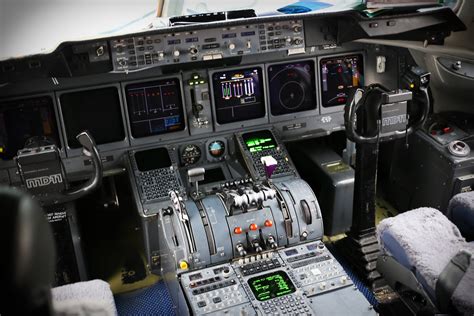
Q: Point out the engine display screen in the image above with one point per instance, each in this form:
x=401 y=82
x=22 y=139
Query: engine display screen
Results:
x=97 y=111
x=259 y=141
x=20 y=120
x=155 y=107
x=238 y=95
x=152 y=159
x=292 y=87
x=339 y=75
x=271 y=285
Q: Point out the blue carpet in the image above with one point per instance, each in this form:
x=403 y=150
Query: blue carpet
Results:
x=154 y=300
x=369 y=295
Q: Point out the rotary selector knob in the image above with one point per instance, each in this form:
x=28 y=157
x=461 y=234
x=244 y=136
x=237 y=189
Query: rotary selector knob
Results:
x=231 y=46
x=297 y=28
x=176 y=53
x=192 y=51
x=226 y=272
x=161 y=55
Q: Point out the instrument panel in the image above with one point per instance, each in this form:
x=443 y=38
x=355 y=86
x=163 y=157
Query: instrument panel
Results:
x=166 y=107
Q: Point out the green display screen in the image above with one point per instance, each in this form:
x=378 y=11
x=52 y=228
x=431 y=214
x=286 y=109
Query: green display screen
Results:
x=259 y=141
x=271 y=285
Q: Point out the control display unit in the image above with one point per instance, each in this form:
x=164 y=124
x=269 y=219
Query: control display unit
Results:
x=152 y=159
x=271 y=285
x=155 y=107
x=338 y=76
x=20 y=120
x=238 y=95
x=97 y=111
x=156 y=176
x=259 y=141
x=292 y=87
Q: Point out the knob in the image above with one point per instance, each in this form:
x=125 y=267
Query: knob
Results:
x=176 y=53
x=122 y=62
x=322 y=285
x=272 y=242
x=298 y=41
x=253 y=226
x=226 y=272
x=161 y=55
x=304 y=234
x=297 y=28
x=241 y=250
x=256 y=246
x=249 y=44
x=192 y=51
x=231 y=46
x=238 y=230
x=457 y=65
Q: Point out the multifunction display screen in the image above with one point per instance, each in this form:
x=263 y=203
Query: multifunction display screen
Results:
x=97 y=111
x=259 y=141
x=238 y=95
x=292 y=87
x=22 y=120
x=155 y=107
x=271 y=285
x=339 y=75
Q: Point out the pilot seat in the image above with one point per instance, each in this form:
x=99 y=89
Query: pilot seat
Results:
x=424 y=252
x=27 y=267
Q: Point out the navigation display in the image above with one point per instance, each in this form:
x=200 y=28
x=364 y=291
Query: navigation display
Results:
x=155 y=107
x=338 y=76
x=23 y=119
x=97 y=111
x=271 y=285
x=292 y=87
x=259 y=141
x=238 y=95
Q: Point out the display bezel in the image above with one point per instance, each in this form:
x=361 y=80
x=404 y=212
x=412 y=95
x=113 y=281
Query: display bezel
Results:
x=158 y=137
x=240 y=124
x=73 y=152
x=62 y=147
x=338 y=108
x=297 y=115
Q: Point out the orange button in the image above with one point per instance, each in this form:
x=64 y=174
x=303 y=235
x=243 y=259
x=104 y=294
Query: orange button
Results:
x=238 y=230
x=268 y=223
x=253 y=226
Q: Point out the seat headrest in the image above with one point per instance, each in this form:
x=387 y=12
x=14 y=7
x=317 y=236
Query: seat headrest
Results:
x=28 y=255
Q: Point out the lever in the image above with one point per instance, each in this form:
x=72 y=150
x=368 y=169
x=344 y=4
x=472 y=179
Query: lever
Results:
x=194 y=176
x=241 y=250
x=306 y=212
x=256 y=246
x=272 y=242
x=270 y=165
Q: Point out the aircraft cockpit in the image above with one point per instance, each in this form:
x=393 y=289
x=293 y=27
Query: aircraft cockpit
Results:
x=300 y=158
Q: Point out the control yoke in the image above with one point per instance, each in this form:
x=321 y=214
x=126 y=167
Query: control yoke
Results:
x=387 y=115
x=90 y=150
x=42 y=172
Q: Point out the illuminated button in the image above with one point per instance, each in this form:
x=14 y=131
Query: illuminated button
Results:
x=183 y=265
x=268 y=223
x=253 y=226
x=238 y=230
